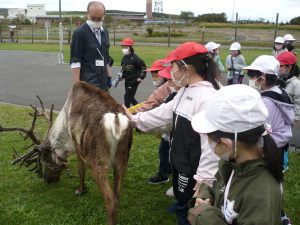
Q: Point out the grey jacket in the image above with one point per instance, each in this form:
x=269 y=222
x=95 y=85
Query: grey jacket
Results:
x=293 y=89
x=238 y=65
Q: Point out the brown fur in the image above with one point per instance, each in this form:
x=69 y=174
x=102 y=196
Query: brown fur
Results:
x=88 y=104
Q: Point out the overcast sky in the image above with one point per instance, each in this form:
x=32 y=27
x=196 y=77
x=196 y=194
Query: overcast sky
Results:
x=247 y=9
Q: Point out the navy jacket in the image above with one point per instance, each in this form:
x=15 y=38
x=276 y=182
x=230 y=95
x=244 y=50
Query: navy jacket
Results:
x=84 y=50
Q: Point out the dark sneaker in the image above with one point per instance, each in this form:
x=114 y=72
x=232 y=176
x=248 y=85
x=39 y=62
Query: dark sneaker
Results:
x=172 y=208
x=158 y=179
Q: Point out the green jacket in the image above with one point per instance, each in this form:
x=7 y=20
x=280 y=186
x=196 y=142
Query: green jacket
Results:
x=254 y=190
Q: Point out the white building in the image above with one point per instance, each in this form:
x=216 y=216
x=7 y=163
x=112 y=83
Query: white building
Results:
x=14 y=13
x=34 y=10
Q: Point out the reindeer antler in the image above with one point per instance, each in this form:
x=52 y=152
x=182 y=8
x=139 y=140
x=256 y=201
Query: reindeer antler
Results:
x=28 y=133
x=49 y=116
x=35 y=154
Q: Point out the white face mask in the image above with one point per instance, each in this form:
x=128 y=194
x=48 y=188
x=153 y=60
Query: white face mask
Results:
x=172 y=89
x=157 y=83
x=253 y=85
x=125 y=51
x=95 y=25
x=177 y=82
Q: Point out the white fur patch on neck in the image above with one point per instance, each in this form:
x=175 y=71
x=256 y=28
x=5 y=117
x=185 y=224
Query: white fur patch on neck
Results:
x=59 y=136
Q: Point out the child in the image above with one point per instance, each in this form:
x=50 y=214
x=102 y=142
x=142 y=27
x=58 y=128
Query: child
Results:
x=289 y=71
x=197 y=74
x=235 y=63
x=214 y=51
x=263 y=76
x=133 y=68
x=278 y=47
x=248 y=184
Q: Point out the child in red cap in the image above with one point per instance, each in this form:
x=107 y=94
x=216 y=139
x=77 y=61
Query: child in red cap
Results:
x=197 y=74
x=133 y=70
x=289 y=71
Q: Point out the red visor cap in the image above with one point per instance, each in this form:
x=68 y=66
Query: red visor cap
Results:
x=287 y=58
x=127 y=42
x=165 y=73
x=157 y=65
x=185 y=50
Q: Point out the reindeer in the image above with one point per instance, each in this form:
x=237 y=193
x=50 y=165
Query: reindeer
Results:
x=92 y=124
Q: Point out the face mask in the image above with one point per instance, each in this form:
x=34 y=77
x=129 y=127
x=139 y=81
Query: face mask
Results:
x=284 y=72
x=95 y=25
x=172 y=89
x=278 y=46
x=157 y=83
x=125 y=51
x=177 y=82
x=253 y=85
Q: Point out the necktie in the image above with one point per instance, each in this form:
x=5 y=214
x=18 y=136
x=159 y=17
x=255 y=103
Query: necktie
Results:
x=98 y=35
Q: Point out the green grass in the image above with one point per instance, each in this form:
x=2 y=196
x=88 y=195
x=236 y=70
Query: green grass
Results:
x=147 y=53
x=27 y=200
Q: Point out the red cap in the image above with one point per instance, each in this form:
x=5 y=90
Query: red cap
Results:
x=165 y=73
x=185 y=50
x=127 y=42
x=157 y=66
x=287 y=58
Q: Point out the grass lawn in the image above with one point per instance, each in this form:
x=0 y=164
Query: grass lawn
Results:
x=147 y=53
x=27 y=200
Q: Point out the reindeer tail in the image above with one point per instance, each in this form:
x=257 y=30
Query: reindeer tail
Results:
x=115 y=125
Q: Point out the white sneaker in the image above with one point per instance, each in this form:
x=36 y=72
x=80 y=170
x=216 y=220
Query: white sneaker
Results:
x=170 y=192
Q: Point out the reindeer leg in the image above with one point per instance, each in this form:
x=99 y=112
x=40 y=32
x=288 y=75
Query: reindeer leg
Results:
x=119 y=166
x=101 y=176
x=81 y=189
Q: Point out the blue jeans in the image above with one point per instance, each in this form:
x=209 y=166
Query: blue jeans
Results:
x=164 y=162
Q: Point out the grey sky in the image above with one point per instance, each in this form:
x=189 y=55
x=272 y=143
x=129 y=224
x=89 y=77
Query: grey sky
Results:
x=252 y=9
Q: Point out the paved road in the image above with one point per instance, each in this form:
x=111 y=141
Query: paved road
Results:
x=23 y=75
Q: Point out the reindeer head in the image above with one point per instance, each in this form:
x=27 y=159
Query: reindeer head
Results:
x=50 y=164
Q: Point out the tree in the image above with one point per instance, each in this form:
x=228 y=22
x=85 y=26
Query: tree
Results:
x=26 y=21
x=186 y=15
x=295 y=21
x=212 y=18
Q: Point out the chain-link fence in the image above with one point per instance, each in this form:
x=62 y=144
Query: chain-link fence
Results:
x=162 y=34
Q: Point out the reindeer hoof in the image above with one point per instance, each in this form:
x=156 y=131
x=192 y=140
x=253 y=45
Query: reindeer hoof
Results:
x=80 y=191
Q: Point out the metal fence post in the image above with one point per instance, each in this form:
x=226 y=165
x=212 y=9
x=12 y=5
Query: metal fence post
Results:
x=0 y=32
x=202 y=39
x=32 y=31
x=169 y=34
x=276 y=26
x=236 y=23
x=114 y=25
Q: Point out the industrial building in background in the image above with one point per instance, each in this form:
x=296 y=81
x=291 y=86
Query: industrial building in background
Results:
x=149 y=9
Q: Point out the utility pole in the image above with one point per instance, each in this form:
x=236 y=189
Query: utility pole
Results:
x=61 y=38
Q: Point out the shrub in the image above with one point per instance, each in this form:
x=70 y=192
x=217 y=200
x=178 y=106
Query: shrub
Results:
x=149 y=31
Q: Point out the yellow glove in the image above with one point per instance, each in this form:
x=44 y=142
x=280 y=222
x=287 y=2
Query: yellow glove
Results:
x=135 y=107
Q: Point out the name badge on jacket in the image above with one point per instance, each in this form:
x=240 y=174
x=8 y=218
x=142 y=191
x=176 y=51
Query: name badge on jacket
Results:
x=99 y=62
